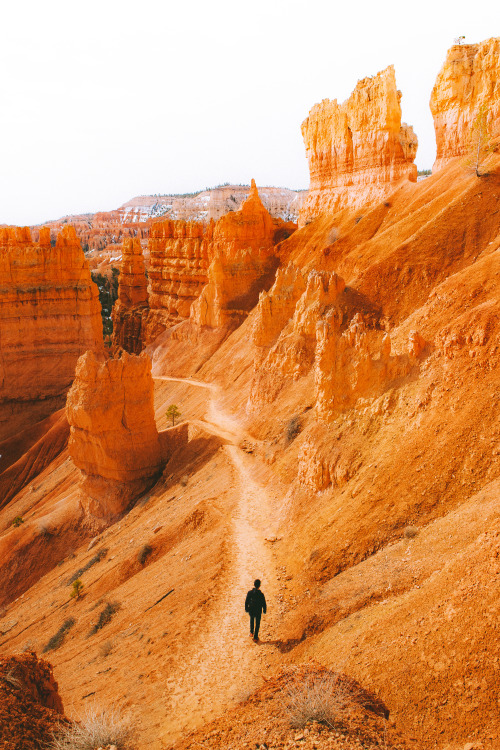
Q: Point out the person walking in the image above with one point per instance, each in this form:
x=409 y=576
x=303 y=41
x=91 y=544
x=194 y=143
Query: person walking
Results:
x=255 y=604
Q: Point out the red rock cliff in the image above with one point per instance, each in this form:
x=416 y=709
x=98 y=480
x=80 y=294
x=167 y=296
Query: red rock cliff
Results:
x=113 y=440
x=49 y=315
x=357 y=150
x=468 y=81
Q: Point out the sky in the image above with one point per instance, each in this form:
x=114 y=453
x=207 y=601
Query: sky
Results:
x=103 y=101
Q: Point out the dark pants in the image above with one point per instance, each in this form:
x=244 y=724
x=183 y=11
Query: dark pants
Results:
x=255 y=623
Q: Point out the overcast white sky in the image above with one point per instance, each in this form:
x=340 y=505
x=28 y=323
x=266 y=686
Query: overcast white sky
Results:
x=102 y=101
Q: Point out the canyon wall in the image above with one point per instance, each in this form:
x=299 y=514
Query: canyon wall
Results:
x=49 y=315
x=113 y=439
x=467 y=86
x=358 y=150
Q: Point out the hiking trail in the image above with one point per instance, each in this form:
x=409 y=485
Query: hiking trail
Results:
x=223 y=665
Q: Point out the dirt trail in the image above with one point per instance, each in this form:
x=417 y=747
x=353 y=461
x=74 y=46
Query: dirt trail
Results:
x=223 y=664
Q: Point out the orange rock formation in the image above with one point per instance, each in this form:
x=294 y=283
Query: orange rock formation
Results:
x=211 y=274
x=285 y=328
x=242 y=260
x=358 y=150
x=113 y=440
x=132 y=303
x=467 y=82
x=178 y=271
x=50 y=314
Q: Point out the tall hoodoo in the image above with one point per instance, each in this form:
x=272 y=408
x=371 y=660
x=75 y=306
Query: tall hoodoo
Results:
x=132 y=299
x=240 y=247
x=114 y=440
x=49 y=315
x=357 y=150
x=133 y=285
x=468 y=81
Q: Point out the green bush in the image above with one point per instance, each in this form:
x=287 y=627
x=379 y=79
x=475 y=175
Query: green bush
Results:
x=77 y=589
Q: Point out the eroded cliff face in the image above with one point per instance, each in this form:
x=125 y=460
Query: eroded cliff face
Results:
x=132 y=303
x=358 y=150
x=113 y=440
x=178 y=271
x=468 y=84
x=240 y=248
x=284 y=329
x=210 y=275
x=50 y=314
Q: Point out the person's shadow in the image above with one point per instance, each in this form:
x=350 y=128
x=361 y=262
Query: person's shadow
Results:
x=283 y=646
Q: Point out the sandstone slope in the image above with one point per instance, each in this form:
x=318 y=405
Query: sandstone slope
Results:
x=342 y=444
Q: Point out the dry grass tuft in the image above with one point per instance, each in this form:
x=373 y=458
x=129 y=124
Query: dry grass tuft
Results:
x=59 y=637
x=293 y=429
x=319 y=697
x=144 y=553
x=99 y=728
x=411 y=532
x=105 y=648
x=105 y=616
x=93 y=560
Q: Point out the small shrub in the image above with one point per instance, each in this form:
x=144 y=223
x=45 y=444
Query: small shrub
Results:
x=99 y=728
x=105 y=649
x=293 y=428
x=173 y=413
x=320 y=698
x=59 y=637
x=77 y=589
x=93 y=560
x=411 y=532
x=105 y=616
x=184 y=480
x=144 y=553
x=18 y=520
x=45 y=531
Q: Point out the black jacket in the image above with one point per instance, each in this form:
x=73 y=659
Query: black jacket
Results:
x=255 y=602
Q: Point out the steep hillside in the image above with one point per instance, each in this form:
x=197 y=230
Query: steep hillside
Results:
x=338 y=438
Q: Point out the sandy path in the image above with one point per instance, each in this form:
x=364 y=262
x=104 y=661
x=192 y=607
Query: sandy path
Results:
x=223 y=664
x=199 y=383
